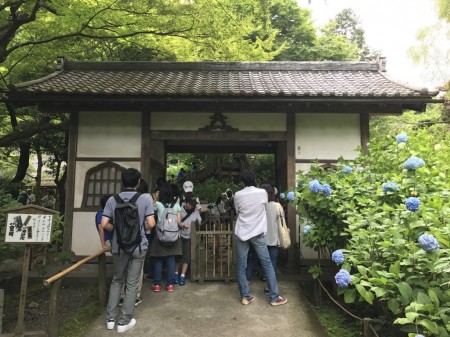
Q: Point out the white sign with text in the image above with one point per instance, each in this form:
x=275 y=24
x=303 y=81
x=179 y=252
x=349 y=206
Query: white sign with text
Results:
x=28 y=228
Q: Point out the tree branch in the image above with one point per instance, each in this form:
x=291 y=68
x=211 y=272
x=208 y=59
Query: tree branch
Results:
x=30 y=131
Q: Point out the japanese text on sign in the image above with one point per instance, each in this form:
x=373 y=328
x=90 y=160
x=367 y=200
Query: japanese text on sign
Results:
x=29 y=228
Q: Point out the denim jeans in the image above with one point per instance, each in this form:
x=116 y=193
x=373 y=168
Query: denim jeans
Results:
x=170 y=265
x=127 y=271
x=259 y=245
x=253 y=260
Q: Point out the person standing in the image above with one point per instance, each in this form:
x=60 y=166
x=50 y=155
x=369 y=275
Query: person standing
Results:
x=273 y=211
x=31 y=199
x=251 y=226
x=22 y=199
x=127 y=264
x=188 y=188
x=49 y=201
x=165 y=252
x=189 y=217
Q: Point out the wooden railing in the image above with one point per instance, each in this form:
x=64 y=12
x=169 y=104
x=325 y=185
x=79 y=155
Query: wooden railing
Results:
x=212 y=249
x=55 y=282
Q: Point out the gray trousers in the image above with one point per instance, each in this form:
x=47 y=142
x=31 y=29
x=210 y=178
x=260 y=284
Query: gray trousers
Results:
x=127 y=271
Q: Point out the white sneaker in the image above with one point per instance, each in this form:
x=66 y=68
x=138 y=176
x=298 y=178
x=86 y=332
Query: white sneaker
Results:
x=123 y=328
x=110 y=324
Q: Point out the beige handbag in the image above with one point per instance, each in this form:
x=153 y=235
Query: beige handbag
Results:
x=283 y=230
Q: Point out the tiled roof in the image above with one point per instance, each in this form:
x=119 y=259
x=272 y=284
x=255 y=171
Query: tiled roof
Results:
x=234 y=79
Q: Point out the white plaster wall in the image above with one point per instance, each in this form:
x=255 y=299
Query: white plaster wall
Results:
x=327 y=136
x=80 y=175
x=85 y=239
x=109 y=134
x=242 y=121
x=304 y=167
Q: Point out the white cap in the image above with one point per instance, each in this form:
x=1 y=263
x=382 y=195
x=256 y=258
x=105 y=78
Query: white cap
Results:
x=188 y=186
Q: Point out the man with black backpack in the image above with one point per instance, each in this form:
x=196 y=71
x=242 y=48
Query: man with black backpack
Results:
x=127 y=214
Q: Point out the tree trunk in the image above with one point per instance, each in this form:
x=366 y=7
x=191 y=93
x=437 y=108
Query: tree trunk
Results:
x=37 y=190
x=24 y=161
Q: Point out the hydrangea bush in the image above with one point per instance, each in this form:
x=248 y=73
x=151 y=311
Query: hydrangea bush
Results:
x=392 y=221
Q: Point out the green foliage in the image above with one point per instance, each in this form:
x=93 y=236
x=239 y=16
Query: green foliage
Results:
x=348 y=25
x=7 y=251
x=211 y=189
x=334 y=47
x=79 y=323
x=379 y=236
x=296 y=32
x=335 y=323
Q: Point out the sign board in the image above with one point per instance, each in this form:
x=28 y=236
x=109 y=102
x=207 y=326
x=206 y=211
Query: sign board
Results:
x=28 y=228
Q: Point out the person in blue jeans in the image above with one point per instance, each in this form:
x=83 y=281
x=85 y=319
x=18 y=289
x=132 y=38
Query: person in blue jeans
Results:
x=273 y=211
x=165 y=253
x=251 y=226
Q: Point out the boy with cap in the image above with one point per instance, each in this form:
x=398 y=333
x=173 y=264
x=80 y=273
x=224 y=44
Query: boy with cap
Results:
x=188 y=187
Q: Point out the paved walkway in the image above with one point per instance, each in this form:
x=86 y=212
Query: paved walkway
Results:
x=213 y=309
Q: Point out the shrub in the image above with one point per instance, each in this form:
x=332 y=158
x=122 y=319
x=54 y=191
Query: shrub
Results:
x=389 y=214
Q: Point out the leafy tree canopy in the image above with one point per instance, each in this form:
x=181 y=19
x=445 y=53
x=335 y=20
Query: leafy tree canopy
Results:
x=33 y=33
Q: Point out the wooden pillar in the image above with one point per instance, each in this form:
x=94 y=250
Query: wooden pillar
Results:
x=53 y=311
x=146 y=154
x=364 y=127
x=2 y=300
x=70 y=184
x=102 y=279
x=292 y=260
x=20 y=328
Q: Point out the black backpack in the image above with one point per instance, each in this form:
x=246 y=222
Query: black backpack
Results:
x=127 y=225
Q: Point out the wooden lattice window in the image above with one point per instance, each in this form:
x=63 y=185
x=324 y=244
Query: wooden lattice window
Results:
x=104 y=179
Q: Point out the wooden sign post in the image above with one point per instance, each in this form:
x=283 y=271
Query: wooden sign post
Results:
x=29 y=224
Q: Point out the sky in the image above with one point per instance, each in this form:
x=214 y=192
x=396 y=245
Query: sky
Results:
x=390 y=26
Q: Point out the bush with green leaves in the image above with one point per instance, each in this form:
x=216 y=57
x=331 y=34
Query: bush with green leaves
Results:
x=7 y=251
x=212 y=188
x=389 y=214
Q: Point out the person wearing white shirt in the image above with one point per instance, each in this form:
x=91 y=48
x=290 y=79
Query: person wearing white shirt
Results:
x=251 y=226
x=31 y=199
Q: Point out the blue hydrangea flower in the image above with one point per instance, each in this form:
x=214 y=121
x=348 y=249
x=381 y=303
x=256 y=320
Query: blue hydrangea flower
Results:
x=413 y=163
x=390 y=187
x=428 y=242
x=315 y=186
x=419 y=335
x=402 y=138
x=282 y=196
x=343 y=278
x=412 y=204
x=326 y=189
x=291 y=196
x=338 y=257
x=348 y=169
x=306 y=229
